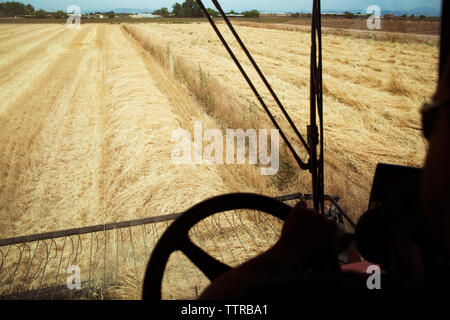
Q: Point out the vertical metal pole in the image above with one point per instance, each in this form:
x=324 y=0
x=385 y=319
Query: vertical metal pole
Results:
x=321 y=177
x=312 y=128
x=445 y=37
x=316 y=167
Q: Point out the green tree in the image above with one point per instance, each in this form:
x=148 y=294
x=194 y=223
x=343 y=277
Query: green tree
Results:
x=12 y=9
x=192 y=9
x=59 y=14
x=189 y=8
x=164 y=12
x=29 y=10
x=110 y=14
x=41 y=14
x=185 y=12
x=212 y=12
x=348 y=14
x=176 y=8
x=251 y=14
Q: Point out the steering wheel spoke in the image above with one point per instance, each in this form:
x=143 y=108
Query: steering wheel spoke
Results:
x=211 y=267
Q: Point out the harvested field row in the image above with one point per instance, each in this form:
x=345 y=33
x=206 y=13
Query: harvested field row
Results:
x=361 y=32
x=372 y=93
x=414 y=26
x=87 y=139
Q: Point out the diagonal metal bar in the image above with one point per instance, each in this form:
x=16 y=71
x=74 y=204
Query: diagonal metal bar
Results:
x=303 y=165
x=85 y=230
x=261 y=75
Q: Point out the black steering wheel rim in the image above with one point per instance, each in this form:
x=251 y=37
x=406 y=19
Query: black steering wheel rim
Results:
x=176 y=236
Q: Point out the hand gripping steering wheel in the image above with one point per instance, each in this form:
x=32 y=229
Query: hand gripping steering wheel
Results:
x=176 y=237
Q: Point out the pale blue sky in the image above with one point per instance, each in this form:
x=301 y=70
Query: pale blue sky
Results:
x=239 y=5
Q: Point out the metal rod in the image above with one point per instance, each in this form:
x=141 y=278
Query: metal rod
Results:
x=125 y=224
x=303 y=165
x=349 y=220
x=261 y=75
x=320 y=112
x=85 y=230
x=316 y=106
x=445 y=37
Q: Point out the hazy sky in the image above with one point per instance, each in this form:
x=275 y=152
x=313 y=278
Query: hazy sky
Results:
x=238 y=5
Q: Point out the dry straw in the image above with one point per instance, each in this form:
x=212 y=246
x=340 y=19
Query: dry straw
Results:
x=86 y=120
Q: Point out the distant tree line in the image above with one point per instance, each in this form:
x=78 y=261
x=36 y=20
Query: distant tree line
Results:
x=190 y=9
x=187 y=9
x=163 y=12
x=251 y=14
x=18 y=9
x=412 y=16
x=110 y=14
x=15 y=9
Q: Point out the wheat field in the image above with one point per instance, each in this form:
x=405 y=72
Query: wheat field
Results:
x=373 y=91
x=86 y=117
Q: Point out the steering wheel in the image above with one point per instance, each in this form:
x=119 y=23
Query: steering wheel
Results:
x=176 y=237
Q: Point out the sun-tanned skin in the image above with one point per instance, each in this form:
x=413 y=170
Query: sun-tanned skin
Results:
x=309 y=239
